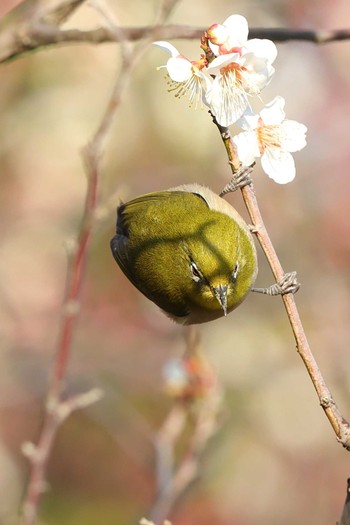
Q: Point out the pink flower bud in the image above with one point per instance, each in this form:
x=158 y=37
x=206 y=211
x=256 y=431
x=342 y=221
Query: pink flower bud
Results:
x=217 y=34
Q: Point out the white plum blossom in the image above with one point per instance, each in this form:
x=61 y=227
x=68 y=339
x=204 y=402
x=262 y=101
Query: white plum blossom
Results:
x=273 y=138
x=186 y=76
x=226 y=77
x=241 y=68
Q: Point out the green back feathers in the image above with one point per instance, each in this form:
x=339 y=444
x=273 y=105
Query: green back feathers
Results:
x=161 y=235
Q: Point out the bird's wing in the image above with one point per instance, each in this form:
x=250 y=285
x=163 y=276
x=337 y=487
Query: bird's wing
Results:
x=132 y=212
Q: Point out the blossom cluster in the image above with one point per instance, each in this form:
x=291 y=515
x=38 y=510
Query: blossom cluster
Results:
x=232 y=70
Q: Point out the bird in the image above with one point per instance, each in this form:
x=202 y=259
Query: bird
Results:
x=187 y=250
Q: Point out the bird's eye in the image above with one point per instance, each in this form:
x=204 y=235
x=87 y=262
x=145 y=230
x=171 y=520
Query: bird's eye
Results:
x=235 y=272
x=195 y=272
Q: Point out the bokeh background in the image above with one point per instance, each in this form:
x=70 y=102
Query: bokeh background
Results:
x=274 y=458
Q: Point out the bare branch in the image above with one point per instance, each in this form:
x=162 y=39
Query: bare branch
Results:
x=57 y=409
x=176 y=481
x=36 y=24
x=175 y=476
x=23 y=28
x=340 y=426
x=58 y=11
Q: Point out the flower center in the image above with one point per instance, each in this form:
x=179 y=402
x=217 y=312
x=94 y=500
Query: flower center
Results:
x=232 y=73
x=198 y=65
x=268 y=137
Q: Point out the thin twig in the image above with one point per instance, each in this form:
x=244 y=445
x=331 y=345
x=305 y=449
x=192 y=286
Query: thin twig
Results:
x=57 y=409
x=340 y=426
x=92 y=156
x=29 y=26
x=175 y=477
x=206 y=425
x=54 y=404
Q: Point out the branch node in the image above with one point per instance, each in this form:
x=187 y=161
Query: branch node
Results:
x=52 y=404
x=255 y=228
x=30 y=451
x=344 y=435
x=71 y=308
x=78 y=402
x=326 y=402
x=70 y=245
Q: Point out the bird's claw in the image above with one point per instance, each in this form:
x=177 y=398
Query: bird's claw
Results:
x=239 y=180
x=288 y=284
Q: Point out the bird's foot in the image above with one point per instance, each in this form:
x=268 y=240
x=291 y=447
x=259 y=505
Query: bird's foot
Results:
x=288 y=284
x=239 y=180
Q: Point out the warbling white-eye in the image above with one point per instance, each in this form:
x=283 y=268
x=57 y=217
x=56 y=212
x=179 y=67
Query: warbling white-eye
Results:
x=187 y=250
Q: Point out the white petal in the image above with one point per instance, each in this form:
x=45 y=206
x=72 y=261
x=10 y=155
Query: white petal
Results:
x=247 y=147
x=222 y=61
x=217 y=34
x=238 y=29
x=254 y=63
x=262 y=48
x=254 y=82
x=168 y=47
x=279 y=165
x=179 y=69
x=257 y=72
x=269 y=72
x=215 y=49
x=273 y=112
x=249 y=120
x=228 y=105
x=293 y=135
x=208 y=81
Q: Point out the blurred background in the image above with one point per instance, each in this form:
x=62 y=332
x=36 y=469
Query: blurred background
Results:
x=274 y=457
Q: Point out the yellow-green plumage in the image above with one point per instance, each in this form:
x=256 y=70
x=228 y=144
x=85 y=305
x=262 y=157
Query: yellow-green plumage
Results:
x=187 y=250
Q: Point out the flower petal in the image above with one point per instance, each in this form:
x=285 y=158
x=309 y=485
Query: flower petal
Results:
x=215 y=49
x=249 y=120
x=262 y=48
x=227 y=103
x=293 y=135
x=222 y=61
x=247 y=147
x=168 y=47
x=217 y=34
x=279 y=165
x=273 y=112
x=179 y=69
x=254 y=82
x=238 y=29
x=254 y=63
x=208 y=82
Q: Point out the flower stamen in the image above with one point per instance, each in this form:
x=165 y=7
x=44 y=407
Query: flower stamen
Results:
x=269 y=137
x=191 y=88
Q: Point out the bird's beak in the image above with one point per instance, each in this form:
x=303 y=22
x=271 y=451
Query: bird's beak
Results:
x=220 y=293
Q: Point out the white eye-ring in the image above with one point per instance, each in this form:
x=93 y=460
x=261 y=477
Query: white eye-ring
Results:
x=235 y=271
x=195 y=272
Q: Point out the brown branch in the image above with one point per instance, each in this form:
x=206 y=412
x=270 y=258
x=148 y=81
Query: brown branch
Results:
x=340 y=426
x=33 y=25
x=206 y=425
x=175 y=477
x=57 y=410
x=55 y=406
